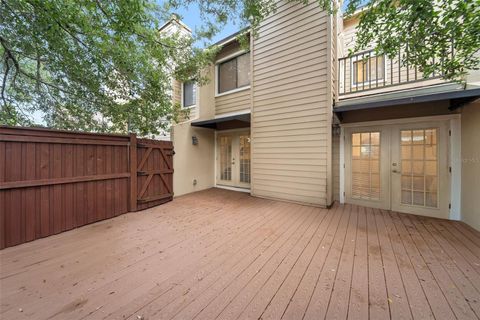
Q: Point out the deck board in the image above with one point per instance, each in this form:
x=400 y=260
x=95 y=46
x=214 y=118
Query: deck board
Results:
x=397 y=298
x=358 y=298
x=379 y=307
x=219 y=254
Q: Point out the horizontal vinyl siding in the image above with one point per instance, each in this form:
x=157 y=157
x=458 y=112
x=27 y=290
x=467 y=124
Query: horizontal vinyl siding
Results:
x=295 y=21
x=299 y=134
x=290 y=117
x=306 y=103
x=177 y=91
x=280 y=169
x=297 y=39
x=233 y=102
x=286 y=36
x=288 y=54
x=285 y=11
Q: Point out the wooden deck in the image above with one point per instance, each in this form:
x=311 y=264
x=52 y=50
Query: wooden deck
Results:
x=219 y=254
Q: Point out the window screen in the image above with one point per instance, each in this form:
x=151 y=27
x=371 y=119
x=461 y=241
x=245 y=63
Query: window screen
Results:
x=227 y=76
x=189 y=94
x=368 y=69
x=234 y=73
x=243 y=70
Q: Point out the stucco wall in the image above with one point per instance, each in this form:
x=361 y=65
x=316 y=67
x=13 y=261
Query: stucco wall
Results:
x=192 y=162
x=471 y=164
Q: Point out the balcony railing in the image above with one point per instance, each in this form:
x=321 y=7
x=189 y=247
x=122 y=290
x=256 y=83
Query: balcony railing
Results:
x=366 y=71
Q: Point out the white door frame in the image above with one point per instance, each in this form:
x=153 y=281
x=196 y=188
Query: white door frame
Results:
x=454 y=151
x=242 y=188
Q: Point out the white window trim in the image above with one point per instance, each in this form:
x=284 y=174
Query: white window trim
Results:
x=369 y=82
x=218 y=62
x=232 y=91
x=181 y=97
x=231 y=56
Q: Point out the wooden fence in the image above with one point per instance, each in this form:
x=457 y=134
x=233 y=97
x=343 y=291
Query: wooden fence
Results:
x=52 y=181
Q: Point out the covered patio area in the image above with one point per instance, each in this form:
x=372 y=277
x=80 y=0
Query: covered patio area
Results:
x=219 y=254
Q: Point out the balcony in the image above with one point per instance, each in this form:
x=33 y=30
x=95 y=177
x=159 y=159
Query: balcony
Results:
x=366 y=74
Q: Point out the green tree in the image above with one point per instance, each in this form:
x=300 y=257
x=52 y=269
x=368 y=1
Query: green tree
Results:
x=92 y=65
x=103 y=66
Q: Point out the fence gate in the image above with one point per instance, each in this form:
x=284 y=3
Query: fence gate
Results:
x=153 y=173
x=52 y=180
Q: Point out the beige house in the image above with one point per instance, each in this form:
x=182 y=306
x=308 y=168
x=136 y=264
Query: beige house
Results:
x=295 y=118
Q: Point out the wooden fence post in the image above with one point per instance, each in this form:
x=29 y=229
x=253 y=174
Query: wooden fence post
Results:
x=133 y=172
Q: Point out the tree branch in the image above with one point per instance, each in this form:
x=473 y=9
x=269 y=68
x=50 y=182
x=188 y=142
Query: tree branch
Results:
x=72 y=35
x=4 y=82
x=8 y=57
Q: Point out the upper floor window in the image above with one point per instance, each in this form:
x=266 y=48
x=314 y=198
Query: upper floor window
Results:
x=368 y=70
x=234 y=73
x=189 y=94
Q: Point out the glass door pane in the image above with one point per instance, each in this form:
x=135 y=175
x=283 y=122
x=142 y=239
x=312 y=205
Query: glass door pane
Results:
x=245 y=158
x=225 y=150
x=419 y=167
x=365 y=166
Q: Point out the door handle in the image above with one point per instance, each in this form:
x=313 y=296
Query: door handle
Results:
x=395 y=171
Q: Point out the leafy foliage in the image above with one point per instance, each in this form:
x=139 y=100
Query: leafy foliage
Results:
x=92 y=65
x=104 y=66
x=441 y=37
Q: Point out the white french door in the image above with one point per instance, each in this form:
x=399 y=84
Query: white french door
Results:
x=402 y=167
x=366 y=166
x=233 y=159
x=420 y=169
